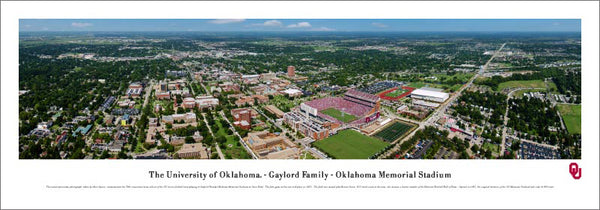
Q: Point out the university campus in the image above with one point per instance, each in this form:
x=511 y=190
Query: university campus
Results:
x=299 y=89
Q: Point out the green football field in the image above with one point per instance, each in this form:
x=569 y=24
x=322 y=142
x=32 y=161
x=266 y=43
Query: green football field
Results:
x=396 y=93
x=350 y=144
x=571 y=115
x=394 y=131
x=337 y=114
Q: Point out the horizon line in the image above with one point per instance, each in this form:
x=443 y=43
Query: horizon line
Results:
x=280 y=31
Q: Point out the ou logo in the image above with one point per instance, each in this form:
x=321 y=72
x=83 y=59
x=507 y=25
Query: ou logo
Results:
x=575 y=171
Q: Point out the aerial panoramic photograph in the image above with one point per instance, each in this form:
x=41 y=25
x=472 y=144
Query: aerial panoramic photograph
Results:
x=299 y=89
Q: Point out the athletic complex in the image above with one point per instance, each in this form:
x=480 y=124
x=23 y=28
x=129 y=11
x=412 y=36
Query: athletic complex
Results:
x=317 y=118
x=396 y=93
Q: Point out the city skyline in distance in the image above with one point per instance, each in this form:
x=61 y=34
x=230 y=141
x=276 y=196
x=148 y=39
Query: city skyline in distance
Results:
x=302 y=25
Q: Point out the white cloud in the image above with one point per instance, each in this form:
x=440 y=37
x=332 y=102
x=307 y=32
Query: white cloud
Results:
x=323 y=29
x=269 y=23
x=273 y=23
x=380 y=25
x=300 y=25
x=226 y=21
x=81 y=25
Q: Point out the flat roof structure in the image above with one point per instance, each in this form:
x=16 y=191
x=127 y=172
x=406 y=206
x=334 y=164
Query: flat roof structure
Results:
x=430 y=94
x=276 y=111
x=292 y=92
x=196 y=150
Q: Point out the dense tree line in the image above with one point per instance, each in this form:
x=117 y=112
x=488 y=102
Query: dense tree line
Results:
x=533 y=116
x=565 y=81
x=490 y=100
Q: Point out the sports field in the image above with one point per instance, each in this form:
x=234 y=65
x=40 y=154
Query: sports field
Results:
x=396 y=93
x=337 y=114
x=571 y=115
x=394 y=131
x=350 y=144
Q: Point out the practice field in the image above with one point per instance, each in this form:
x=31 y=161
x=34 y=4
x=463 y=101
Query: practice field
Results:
x=337 y=114
x=571 y=115
x=394 y=131
x=522 y=84
x=350 y=144
x=396 y=93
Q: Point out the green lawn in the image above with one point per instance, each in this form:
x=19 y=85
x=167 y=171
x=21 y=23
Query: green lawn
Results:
x=222 y=128
x=455 y=88
x=522 y=84
x=235 y=151
x=427 y=84
x=417 y=84
x=492 y=147
x=350 y=144
x=396 y=93
x=337 y=114
x=571 y=115
x=283 y=103
x=306 y=156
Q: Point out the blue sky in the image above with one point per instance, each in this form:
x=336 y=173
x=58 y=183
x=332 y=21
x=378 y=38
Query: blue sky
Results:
x=488 y=25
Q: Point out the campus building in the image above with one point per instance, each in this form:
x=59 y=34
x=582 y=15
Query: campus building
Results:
x=242 y=118
x=206 y=102
x=196 y=150
x=189 y=103
x=134 y=90
x=291 y=71
x=186 y=118
x=430 y=94
x=274 y=110
x=271 y=146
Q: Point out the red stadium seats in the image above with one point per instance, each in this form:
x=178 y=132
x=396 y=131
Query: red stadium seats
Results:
x=354 y=102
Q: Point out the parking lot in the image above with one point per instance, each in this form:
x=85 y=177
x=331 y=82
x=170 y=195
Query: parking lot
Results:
x=535 y=151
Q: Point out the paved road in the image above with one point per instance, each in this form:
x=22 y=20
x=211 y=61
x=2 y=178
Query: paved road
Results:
x=206 y=90
x=503 y=144
x=147 y=95
x=206 y=123
x=213 y=135
x=219 y=151
x=533 y=142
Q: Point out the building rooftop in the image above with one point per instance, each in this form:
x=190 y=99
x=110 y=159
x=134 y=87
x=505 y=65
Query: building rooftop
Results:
x=292 y=91
x=431 y=93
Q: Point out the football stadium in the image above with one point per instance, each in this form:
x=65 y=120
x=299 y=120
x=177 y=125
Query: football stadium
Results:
x=316 y=118
x=364 y=107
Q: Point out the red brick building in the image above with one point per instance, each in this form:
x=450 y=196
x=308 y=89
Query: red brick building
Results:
x=291 y=71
